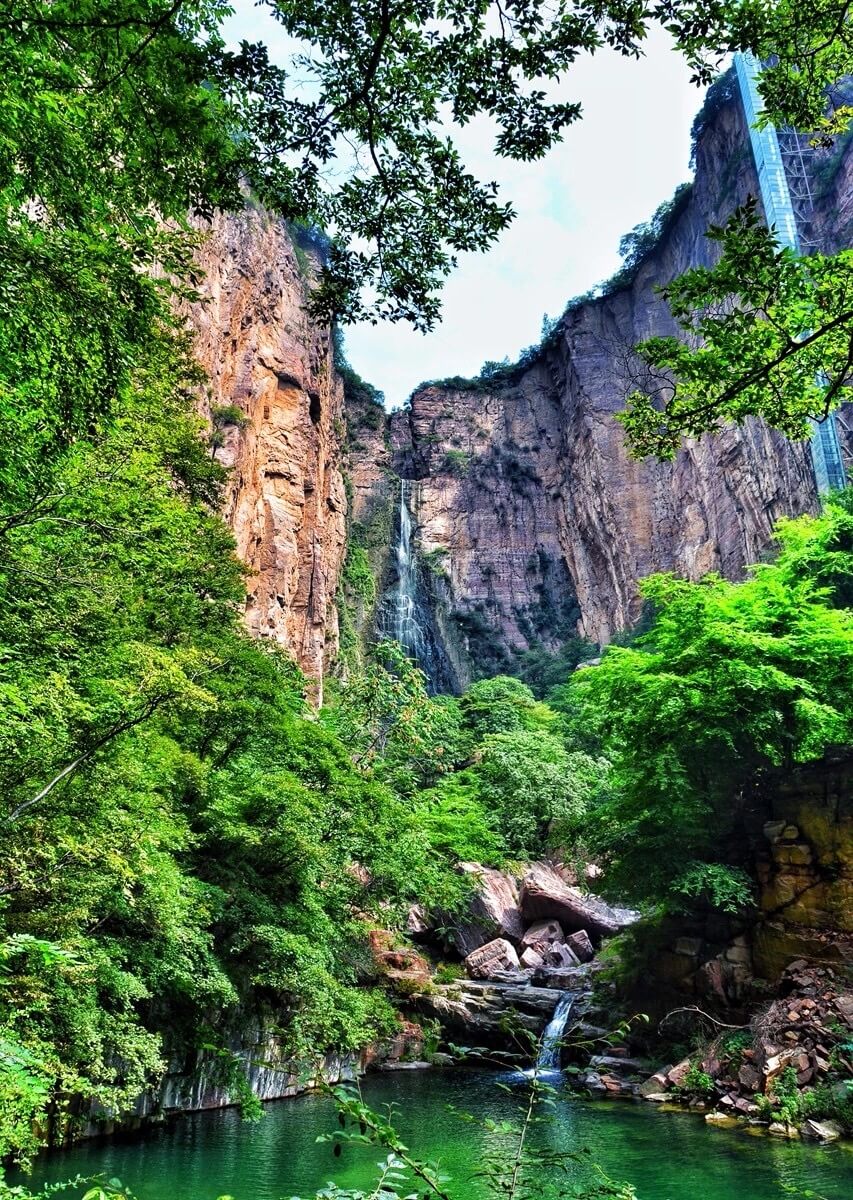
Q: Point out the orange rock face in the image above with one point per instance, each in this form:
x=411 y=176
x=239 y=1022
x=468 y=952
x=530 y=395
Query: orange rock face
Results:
x=285 y=497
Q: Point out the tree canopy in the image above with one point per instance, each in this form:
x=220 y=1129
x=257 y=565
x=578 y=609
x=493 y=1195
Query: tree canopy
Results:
x=731 y=679
x=120 y=112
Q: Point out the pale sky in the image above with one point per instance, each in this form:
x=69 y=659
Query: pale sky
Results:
x=627 y=154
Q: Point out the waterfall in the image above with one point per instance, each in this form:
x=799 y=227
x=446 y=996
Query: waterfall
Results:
x=406 y=611
x=407 y=630
x=549 y=1050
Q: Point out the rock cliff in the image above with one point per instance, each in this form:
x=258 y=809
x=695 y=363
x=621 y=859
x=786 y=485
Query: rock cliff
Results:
x=532 y=523
x=277 y=404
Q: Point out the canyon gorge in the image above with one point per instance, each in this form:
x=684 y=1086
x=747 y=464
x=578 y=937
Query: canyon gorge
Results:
x=531 y=525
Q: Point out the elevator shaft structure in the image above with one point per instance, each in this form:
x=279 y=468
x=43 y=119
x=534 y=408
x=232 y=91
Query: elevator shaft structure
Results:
x=786 y=196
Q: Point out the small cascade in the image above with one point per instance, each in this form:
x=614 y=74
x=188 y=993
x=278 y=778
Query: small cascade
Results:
x=549 y=1051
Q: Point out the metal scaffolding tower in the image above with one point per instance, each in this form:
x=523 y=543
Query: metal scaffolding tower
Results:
x=783 y=179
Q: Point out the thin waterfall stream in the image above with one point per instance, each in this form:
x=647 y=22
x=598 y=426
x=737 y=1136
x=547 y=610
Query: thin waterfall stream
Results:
x=406 y=627
x=406 y=613
x=549 y=1050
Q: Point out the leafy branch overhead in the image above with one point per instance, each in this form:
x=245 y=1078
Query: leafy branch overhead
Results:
x=354 y=134
x=765 y=333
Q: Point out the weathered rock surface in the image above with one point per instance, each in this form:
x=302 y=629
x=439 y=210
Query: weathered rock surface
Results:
x=493 y=910
x=479 y=1011
x=581 y=946
x=543 y=932
x=495 y=956
x=523 y=490
x=285 y=498
x=545 y=896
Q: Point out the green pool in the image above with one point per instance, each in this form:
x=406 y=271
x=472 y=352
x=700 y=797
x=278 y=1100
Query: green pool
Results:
x=667 y=1156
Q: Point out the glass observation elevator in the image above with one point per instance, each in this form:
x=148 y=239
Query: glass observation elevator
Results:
x=786 y=196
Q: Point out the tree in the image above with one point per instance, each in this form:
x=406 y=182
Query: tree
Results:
x=766 y=333
x=502 y=704
x=143 y=95
x=730 y=679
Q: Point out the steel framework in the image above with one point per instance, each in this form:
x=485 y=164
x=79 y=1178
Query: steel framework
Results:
x=781 y=163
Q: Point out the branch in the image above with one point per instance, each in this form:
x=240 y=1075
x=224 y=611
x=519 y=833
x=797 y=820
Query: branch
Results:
x=693 y=1008
x=121 y=727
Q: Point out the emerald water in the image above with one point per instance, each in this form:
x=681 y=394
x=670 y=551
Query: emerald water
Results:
x=667 y=1156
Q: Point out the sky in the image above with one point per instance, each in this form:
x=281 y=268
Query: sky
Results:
x=628 y=153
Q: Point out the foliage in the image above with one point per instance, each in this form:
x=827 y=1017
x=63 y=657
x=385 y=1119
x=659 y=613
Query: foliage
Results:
x=502 y=704
x=722 y=91
x=543 y=669
x=765 y=333
x=391 y=725
x=456 y=462
x=365 y=403
x=528 y=780
x=696 y=1083
x=638 y=246
x=729 y=679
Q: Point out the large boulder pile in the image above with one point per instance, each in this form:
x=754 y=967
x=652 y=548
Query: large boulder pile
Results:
x=543 y=931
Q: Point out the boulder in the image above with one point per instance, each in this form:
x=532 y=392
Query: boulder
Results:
x=493 y=910
x=558 y=954
x=824 y=1131
x=581 y=946
x=543 y=931
x=496 y=956
x=655 y=1085
x=545 y=896
x=531 y=958
x=417 y=921
x=676 y=1075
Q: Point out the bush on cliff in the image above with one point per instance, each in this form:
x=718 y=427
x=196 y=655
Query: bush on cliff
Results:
x=730 y=678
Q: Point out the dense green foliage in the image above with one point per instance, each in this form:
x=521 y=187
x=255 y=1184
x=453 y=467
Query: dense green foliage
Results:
x=183 y=842
x=765 y=333
x=730 y=679
x=178 y=836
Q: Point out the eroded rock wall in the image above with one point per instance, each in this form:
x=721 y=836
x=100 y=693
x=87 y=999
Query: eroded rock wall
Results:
x=285 y=499
x=538 y=522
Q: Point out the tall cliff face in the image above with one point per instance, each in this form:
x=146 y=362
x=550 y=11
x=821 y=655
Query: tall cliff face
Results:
x=524 y=497
x=285 y=500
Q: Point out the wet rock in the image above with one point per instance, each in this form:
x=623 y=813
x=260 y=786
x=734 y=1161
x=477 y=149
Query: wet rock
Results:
x=824 y=1131
x=612 y=1063
x=778 y=1129
x=724 y=1120
x=655 y=1084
